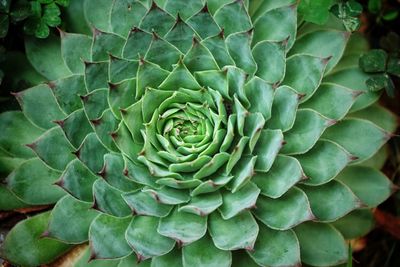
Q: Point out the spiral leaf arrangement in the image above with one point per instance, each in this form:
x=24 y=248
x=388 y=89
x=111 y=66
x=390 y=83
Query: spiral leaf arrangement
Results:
x=195 y=133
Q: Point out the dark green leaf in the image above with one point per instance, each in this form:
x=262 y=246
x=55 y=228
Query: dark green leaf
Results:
x=373 y=61
x=316 y=11
x=21 y=10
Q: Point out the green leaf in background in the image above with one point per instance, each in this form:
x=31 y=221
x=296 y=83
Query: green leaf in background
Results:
x=373 y=61
x=374 y=6
x=378 y=82
x=348 y=12
x=36 y=8
x=316 y=11
x=390 y=15
x=3 y=25
x=5 y=6
x=51 y=15
x=64 y=3
x=20 y=10
x=393 y=66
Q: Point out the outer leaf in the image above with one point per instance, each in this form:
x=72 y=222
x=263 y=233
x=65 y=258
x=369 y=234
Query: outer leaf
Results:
x=74 y=49
x=40 y=192
x=307 y=129
x=355 y=224
x=107 y=237
x=40 y=106
x=183 y=227
x=234 y=203
x=244 y=235
x=304 y=73
x=142 y=236
x=369 y=137
x=276 y=248
x=203 y=253
x=285 y=172
x=17 y=130
x=285 y=212
x=323 y=162
x=76 y=214
x=331 y=201
x=321 y=244
x=23 y=245
x=45 y=56
x=362 y=179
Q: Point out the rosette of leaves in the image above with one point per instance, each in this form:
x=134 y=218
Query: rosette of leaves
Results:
x=195 y=133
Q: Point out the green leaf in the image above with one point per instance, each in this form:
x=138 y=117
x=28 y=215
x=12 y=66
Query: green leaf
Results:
x=143 y=203
x=315 y=11
x=393 y=66
x=20 y=10
x=283 y=20
x=184 y=227
x=74 y=49
x=17 y=131
x=331 y=201
x=172 y=259
x=181 y=35
x=105 y=44
x=307 y=129
x=285 y=212
x=374 y=6
x=284 y=173
x=233 y=18
x=284 y=108
x=125 y=15
x=355 y=224
x=142 y=236
x=42 y=191
x=63 y=3
x=45 y=57
x=369 y=137
x=334 y=43
x=304 y=74
x=53 y=148
x=322 y=102
x=355 y=79
x=40 y=106
x=107 y=237
x=321 y=244
x=78 y=180
x=379 y=115
x=271 y=60
x=23 y=245
x=239 y=49
x=76 y=214
x=203 y=253
x=203 y=205
x=360 y=179
x=97 y=13
x=314 y=162
x=378 y=82
x=157 y=20
x=374 y=61
x=235 y=203
x=51 y=15
x=4 y=24
x=109 y=200
x=243 y=237
x=67 y=92
x=267 y=148
x=276 y=248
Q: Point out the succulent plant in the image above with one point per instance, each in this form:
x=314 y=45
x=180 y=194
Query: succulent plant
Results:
x=195 y=133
